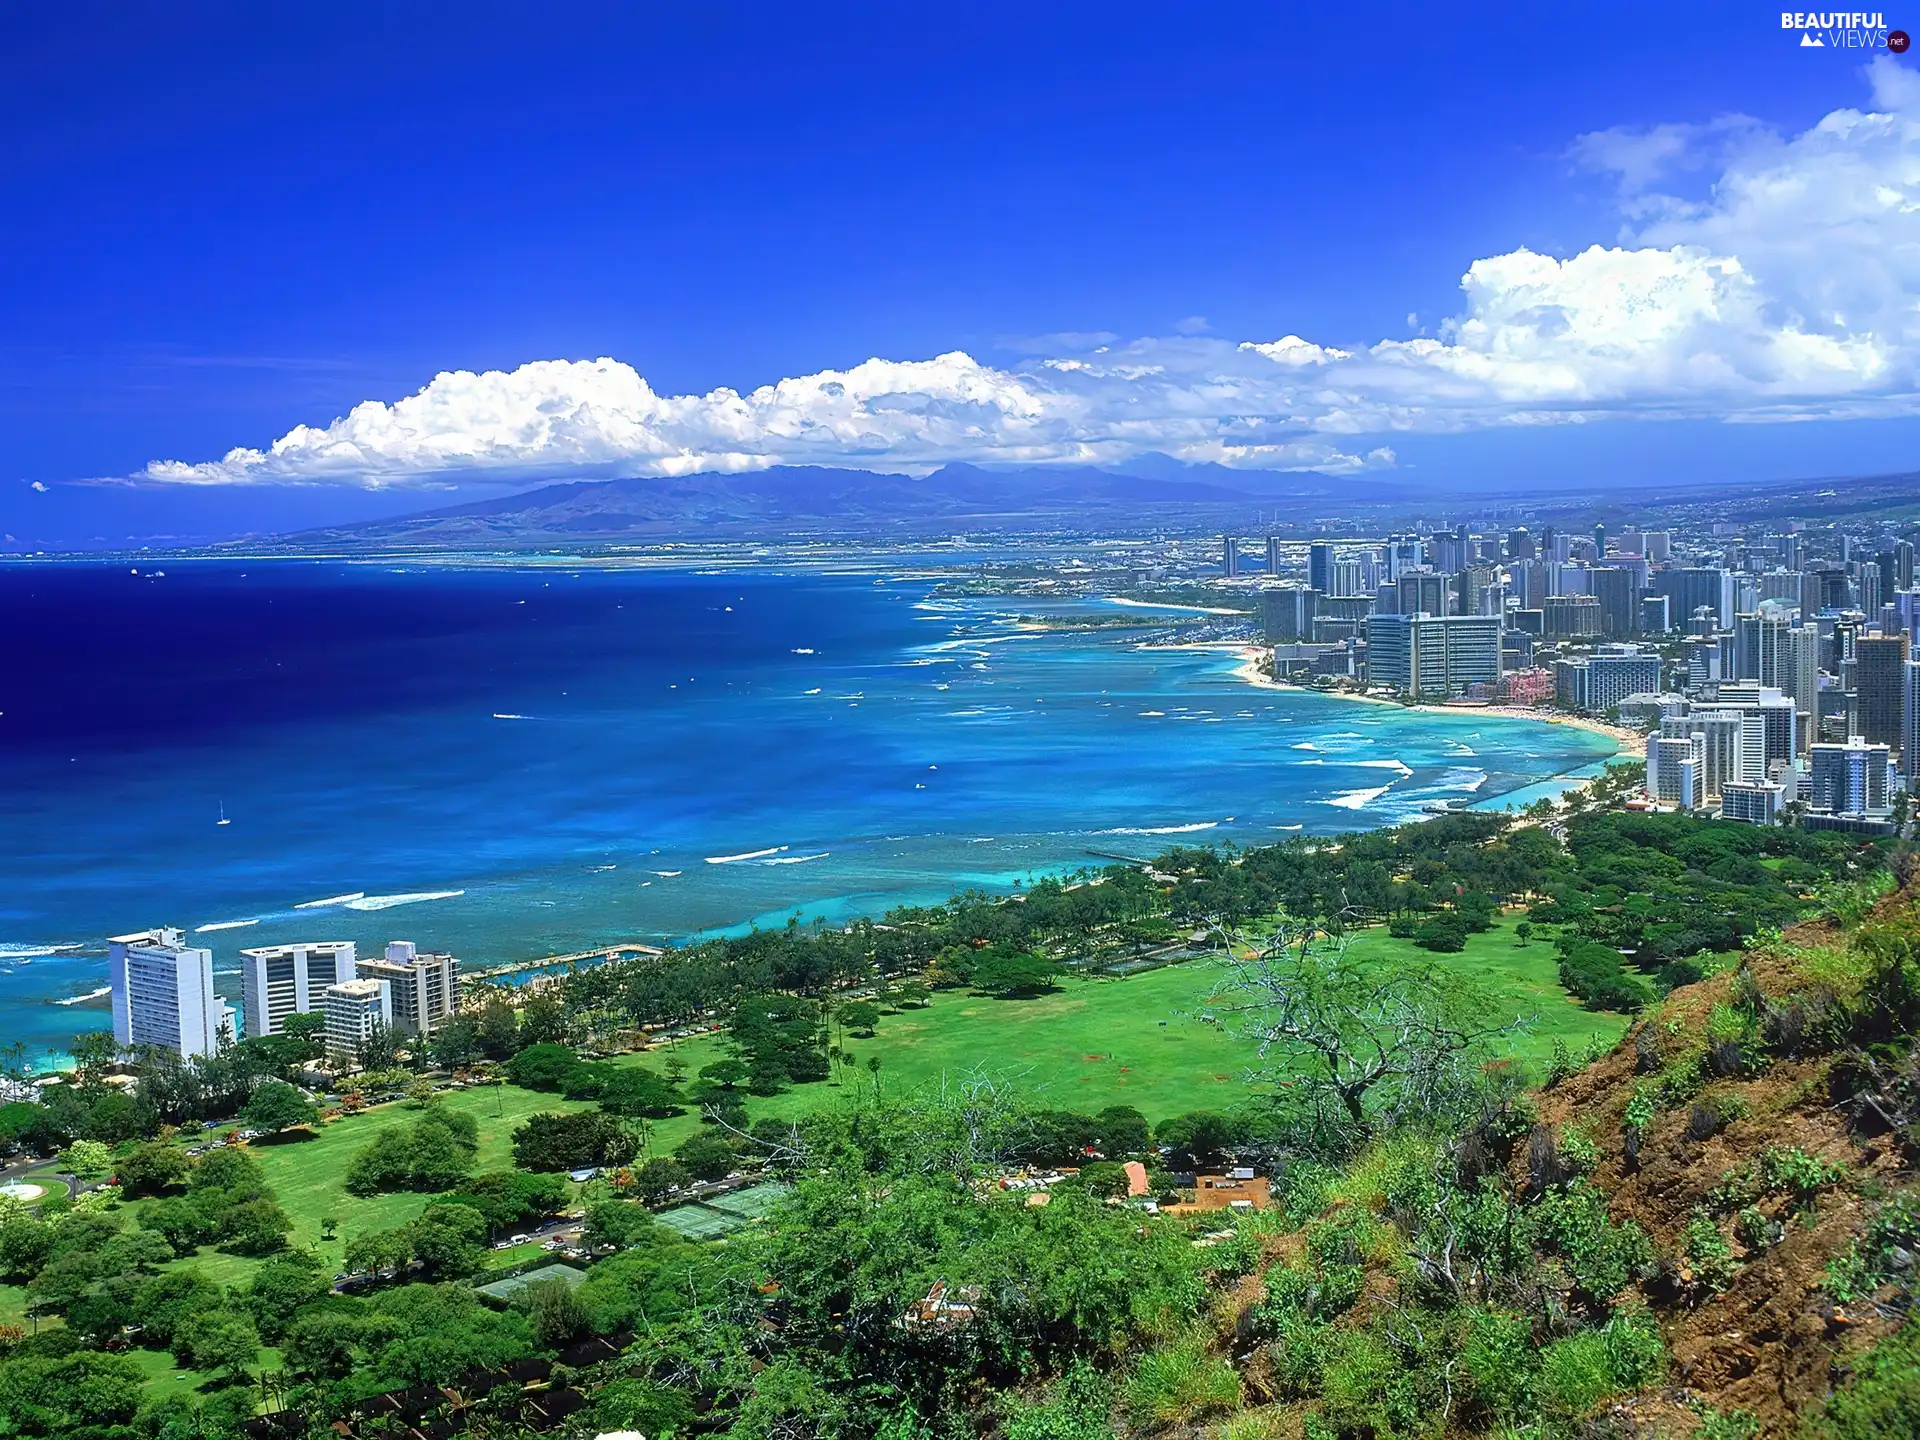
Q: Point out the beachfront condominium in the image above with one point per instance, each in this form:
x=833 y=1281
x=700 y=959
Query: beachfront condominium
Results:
x=1287 y=613
x=356 y=1011
x=281 y=980
x=1595 y=684
x=425 y=985
x=1433 y=656
x=163 y=994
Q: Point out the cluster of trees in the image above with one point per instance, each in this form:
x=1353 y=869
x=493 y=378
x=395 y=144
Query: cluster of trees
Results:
x=433 y=1152
x=85 y=1263
x=1659 y=890
x=630 y=1090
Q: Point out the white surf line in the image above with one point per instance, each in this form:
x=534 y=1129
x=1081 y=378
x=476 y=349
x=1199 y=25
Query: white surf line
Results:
x=745 y=855
x=387 y=902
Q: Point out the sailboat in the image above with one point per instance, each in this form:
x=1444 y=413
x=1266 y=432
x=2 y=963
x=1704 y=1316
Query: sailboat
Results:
x=223 y=815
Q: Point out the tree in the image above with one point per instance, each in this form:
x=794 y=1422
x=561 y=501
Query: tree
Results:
x=94 y=1054
x=554 y=1312
x=219 y=1341
x=637 y=1092
x=82 y=1393
x=705 y=1156
x=1104 y=1179
x=255 y=1227
x=1200 y=1139
x=455 y=1043
x=615 y=1224
x=1016 y=976
x=277 y=1107
x=435 y=1152
x=1523 y=932
x=543 y=1020
x=308 y=1030
x=1123 y=1131
x=168 y=1300
x=656 y=1179
x=117 y=1117
x=380 y=1048
x=725 y=1073
x=447 y=1241
x=1445 y=934
x=508 y=1199
x=87 y=1160
x=151 y=1168
x=280 y=1289
x=320 y=1345
x=545 y=1066
x=860 y=1016
x=550 y=1142
x=498 y=1030
x=1355 y=1044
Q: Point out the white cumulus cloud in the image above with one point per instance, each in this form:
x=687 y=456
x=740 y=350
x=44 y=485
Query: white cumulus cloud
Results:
x=1785 y=286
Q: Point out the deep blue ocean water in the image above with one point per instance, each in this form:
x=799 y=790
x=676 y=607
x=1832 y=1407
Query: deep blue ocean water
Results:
x=590 y=756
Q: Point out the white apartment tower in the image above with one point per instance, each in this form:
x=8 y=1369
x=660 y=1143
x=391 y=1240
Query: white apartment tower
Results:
x=163 y=993
x=425 y=985
x=281 y=980
x=355 y=1009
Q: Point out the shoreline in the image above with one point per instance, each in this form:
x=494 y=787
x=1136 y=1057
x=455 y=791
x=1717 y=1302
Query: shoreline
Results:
x=1626 y=743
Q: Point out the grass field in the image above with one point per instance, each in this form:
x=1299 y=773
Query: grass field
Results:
x=1141 y=1041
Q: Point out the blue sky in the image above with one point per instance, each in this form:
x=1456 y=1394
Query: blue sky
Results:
x=227 y=221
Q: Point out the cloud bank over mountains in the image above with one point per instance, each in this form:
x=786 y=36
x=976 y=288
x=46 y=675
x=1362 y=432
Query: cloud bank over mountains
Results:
x=1789 y=290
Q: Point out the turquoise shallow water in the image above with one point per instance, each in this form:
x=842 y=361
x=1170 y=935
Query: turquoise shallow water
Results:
x=588 y=757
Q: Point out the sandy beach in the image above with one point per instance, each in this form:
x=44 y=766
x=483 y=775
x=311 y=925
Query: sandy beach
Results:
x=1628 y=744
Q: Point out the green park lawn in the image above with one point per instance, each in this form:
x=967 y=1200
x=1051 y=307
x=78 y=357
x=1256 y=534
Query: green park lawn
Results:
x=307 y=1172
x=1141 y=1041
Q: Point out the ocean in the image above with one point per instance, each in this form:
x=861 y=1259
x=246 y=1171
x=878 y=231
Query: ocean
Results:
x=516 y=760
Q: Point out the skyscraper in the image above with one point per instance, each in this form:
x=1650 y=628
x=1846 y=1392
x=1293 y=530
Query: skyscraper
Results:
x=163 y=993
x=1273 y=554
x=1320 y=567
x=1229 y=555
x=1567 y=616
x=1619 y=599
x=1880 y=680
x=1287 y=613
x=1910 y=725
x=1422 y=594
x=1762 y=642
